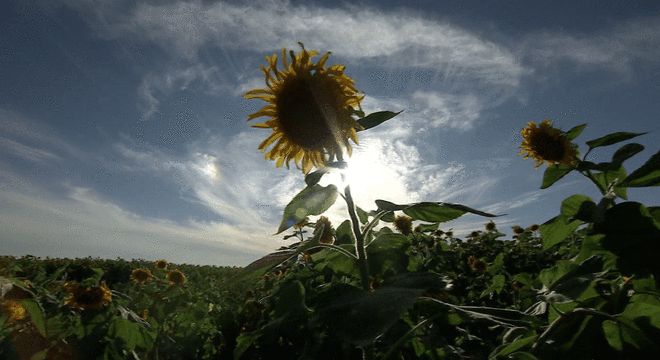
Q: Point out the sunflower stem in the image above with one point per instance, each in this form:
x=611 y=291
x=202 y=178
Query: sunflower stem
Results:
x=360 y=249
x=359 y=240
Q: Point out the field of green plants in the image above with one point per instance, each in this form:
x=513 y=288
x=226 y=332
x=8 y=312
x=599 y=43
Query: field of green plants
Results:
x=390 y=282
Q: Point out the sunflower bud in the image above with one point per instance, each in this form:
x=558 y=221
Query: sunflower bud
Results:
x=403 y=223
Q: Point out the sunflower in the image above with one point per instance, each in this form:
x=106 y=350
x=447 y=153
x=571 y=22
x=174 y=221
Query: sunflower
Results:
x=403 y=223
x=324 y=225
x=91 y=298
x=13 y=310
x=176 y=277
x=490 y=226
x=141 y=275
x=161 y=264
x=545 y=143
x=310 y=110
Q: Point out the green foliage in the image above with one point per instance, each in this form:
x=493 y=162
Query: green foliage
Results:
x=582 y=285
x=313 y=200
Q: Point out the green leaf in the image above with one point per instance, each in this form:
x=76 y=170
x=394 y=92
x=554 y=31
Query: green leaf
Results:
x=243 y=343
x=619 y=334
x=606 y=178
x=427 y=227
x=389 y=206
x=626 y=152
x=335 y=261
x=36 y=315
x=132 y=334
x=313 y=200
x=496 y=285
x=362 y=215
x=514 y=347
x=290 y=299
x=575 y=131
x=553 y=173
x=647 y=175
x=386 y=254
x=579 y=207
x=375 y=119
x=432 y=212
x=612 y=138
x=313 y=178
x=358 y=317
x=522 y=355
x=557 y=230
x=344 y=233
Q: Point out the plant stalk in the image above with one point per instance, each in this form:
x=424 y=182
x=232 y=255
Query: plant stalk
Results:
x=359 y=239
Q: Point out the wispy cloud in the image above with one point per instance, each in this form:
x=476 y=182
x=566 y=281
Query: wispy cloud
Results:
x=31 y=140
x=405 y=39
x=83 y=224
x=616 y=49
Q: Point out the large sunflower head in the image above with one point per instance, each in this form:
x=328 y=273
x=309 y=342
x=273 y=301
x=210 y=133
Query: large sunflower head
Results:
x=13 y=310
x=176 y=277
x=141 y=275
x=545 y=143
x=310 y=110
x=87 y=298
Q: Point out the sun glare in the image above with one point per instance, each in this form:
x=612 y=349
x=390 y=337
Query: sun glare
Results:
x=208 y=167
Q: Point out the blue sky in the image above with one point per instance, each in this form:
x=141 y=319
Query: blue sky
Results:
x=123 y=132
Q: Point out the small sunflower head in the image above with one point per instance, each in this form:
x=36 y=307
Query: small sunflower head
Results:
x=545 y=143
x=476 y=265
x=327 y=235
x=176 y=277
x=517 y=229
x=13 y=310
x=403 y=223
x=310 y=110
x=490 y=226
x=141 y=276
x=534 y=227
x=474 y=234
x=87 y=298
x=161 y=264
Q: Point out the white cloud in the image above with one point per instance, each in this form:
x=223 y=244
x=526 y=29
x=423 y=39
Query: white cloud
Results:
x=617 y=48
x=155 y=85
x=405 y=38
x=441 y=109
x=31 y=140
x=83 y=224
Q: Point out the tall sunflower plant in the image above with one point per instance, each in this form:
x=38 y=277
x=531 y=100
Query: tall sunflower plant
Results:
x=544 y=143
x=314 y=115
x=313 y=111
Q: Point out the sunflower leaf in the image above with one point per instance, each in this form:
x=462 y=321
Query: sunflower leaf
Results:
x=553 y=173
x=431 y=211
x=626 y=152
x=647 y=175
x=313 y=178
x=313 y=200
x=612 y=138
x=375 y=119
x=575 y=132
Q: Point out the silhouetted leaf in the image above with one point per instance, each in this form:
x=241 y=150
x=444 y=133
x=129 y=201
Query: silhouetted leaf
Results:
x=647 y=175
x=553 y=173
x=313 y=200
x=375 y=119
x=612 y=138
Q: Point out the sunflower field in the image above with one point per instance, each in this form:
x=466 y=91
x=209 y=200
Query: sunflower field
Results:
x=391 y=281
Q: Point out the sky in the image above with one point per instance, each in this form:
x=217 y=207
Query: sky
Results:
x=123 y=131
